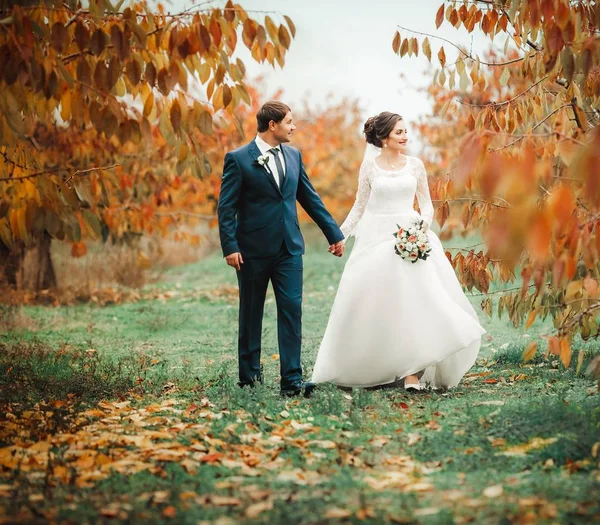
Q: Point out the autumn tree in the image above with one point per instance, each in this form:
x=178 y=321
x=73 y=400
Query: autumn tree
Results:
x=96 y=101
x=526 y=171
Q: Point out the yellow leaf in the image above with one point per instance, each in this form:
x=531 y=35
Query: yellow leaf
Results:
x=427 y=49
x=530 y=351
x=534 y=444
x=271 y=28
x=148 y=104
x=579 y=361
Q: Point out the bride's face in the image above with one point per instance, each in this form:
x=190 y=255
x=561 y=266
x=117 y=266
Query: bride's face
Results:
x=397 y=139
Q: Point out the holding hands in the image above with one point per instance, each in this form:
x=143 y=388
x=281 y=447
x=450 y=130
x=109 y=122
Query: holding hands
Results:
x=337 y=249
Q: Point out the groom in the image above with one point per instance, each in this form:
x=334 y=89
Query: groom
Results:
x=261 y=239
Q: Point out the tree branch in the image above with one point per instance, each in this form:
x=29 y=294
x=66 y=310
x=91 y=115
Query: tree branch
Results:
x=498 y=104
x=462 y=51
x=469 y=199
x=54 y=170
x=532 y=129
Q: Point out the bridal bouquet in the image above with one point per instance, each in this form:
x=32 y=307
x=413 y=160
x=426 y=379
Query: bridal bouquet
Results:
x=412 y=243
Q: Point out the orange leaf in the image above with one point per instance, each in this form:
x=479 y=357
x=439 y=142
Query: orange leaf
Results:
x=439 y=17
x=78 y=249
x=561 y=204
x=443 y=213
x=539 y=237
x=396 y=42
x=212 y=458
x=169 y=512
x=530 y=319
x=554 y=345
x=591 y=286
x=565 y=352
x=442 y=56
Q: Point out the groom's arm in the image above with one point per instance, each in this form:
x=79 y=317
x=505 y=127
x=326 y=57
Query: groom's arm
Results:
x=231 y=186
x=313 y=205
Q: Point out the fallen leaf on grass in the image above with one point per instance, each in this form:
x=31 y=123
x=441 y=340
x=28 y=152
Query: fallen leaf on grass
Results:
x=364 y=513
x=322 y=443
x=378 y=441
x=169 y=512
x=225 y=501
x=256 y=509
x=426 y=511
x=337 y=513
x=497 y=442
x=300 y=477
x=433 y=425
x=413 y=439
x=533 y=444
x=492 y=402
x=494 y=491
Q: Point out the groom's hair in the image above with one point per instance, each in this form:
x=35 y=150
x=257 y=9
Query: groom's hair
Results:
x=271 y=111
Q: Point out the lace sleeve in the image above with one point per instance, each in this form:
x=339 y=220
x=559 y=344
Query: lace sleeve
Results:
x=423 y=195
x=362 y=197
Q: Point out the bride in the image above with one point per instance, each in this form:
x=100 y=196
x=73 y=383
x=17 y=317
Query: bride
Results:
x=393 y=319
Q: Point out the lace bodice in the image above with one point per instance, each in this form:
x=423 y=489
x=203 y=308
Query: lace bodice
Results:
x=389 y=192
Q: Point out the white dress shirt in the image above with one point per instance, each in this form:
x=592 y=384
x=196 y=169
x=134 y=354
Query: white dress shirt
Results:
x=264 y=150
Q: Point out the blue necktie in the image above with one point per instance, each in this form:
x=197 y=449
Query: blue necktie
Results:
x=275 y=152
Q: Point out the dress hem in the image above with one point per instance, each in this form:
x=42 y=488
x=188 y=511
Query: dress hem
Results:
x=411 y=371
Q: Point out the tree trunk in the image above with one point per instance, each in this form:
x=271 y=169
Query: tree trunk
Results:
x=28 y=268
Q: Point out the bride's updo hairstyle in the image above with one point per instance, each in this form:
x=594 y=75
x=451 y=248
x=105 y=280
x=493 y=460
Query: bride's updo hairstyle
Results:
x=379 y=127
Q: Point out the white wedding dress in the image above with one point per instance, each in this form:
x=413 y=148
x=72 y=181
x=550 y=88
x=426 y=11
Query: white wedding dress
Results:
x=392 y=318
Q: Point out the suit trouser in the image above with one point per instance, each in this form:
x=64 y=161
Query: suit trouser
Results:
x=285 y=273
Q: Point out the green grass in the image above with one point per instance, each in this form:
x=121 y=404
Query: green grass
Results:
x=179 y=343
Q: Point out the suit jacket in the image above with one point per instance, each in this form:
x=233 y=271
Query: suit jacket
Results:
x=256 y=216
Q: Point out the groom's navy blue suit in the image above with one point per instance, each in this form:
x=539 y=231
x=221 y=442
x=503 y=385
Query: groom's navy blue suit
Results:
x=259 y=219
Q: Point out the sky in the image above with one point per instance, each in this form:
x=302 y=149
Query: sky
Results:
x=343 y=48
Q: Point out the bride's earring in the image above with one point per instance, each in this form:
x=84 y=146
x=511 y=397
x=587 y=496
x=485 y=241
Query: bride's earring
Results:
x=385 y=144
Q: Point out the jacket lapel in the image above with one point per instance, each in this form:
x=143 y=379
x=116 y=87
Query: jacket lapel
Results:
x=254 y=154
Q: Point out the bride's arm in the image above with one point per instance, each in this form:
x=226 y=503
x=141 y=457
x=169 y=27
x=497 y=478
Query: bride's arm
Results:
x=423 y=195
x=360 y=203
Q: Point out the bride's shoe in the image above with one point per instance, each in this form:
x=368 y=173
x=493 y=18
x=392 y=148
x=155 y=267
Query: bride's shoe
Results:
x=413 y=387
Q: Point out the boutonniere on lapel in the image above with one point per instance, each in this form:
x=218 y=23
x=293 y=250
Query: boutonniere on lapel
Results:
x=263 y=161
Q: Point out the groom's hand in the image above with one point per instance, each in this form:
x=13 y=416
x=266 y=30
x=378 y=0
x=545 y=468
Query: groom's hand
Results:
x=235 y=260
x=337 y=249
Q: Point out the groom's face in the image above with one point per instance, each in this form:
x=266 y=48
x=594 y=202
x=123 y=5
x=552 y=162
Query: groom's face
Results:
x=283 y=130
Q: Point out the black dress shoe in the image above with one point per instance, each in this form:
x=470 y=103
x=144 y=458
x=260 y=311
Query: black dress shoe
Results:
x=296 y=389
x=251 y=384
